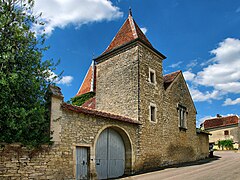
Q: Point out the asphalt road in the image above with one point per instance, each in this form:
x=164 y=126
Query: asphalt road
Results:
x=225 y=166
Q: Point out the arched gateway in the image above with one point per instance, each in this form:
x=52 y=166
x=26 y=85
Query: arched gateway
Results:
x=112 y=154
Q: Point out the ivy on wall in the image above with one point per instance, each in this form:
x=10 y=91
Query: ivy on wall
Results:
x=80 y=100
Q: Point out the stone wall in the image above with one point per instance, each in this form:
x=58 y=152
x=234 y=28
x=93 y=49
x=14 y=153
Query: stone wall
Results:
x=58 y=161
x=202 y=146
x=47 y=162
x=117 y=83
x=182 y=145
x=150 y=133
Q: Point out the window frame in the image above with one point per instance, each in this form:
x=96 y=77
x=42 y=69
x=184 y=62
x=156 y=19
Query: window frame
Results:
x=155 y=113
x=152 y=76
x=182 y=116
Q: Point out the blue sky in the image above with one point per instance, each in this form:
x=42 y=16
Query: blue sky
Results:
x=200 y=37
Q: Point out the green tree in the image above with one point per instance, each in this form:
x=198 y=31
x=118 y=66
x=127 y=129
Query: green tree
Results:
x=228 y=144
x=24 y=77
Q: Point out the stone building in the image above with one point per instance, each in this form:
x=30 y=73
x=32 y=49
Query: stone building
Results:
x=138 y=119
x=223 y=128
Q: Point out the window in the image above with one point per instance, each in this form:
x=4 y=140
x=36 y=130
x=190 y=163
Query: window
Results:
x=152 y=76
x=152 y=113
x=182 y=116
x=226 y=133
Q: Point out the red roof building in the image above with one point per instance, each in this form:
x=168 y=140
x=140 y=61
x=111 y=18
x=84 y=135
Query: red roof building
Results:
x=223 y=128
x=220 y=121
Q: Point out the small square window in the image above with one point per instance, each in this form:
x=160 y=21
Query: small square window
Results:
x=226 y=133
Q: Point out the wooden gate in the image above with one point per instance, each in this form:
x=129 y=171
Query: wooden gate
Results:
x=82 y=163
x=110 y=155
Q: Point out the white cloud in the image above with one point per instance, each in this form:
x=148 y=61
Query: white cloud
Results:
x=176 y=65
x=188 y=76
x=192 y=64
x=229 y=102
x=65 y=80
x=144 y=30
x=224 y=72
x=60 y=13
x=199 y=96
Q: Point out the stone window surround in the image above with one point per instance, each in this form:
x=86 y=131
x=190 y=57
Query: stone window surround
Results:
x=155 y=112
x=154 y=76
x=181 y=108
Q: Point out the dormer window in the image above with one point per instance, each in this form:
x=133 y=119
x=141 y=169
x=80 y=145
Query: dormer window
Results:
x=152 y=76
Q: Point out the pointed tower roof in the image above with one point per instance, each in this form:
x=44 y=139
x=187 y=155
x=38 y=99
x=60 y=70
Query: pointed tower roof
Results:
x=127 y=33
x=89 y=82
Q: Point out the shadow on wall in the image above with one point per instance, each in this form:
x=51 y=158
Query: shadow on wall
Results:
x=177 y=152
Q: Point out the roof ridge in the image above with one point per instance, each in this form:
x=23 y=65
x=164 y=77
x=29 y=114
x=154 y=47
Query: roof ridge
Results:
x=221 y=117
x=178 y=71
x=132 y=25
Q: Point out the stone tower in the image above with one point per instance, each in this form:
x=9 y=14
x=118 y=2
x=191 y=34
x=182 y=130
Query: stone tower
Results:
x=129 y=75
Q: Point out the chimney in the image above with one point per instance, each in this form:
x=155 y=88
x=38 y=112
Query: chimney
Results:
x=218 y=115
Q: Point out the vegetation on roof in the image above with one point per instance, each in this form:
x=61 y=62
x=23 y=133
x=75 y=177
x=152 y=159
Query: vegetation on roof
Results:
x=80 y=100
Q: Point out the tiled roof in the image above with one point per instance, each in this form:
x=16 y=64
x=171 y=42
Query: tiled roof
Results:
x=93 y=112
x=91 y=103
x=127 y=33
x=87 y=82
x=169 y=78
x=220 y=122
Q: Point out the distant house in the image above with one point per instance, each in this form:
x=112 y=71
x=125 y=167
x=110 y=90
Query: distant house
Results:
x=223 y=128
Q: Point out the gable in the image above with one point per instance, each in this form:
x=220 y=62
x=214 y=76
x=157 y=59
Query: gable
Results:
x=176 y=84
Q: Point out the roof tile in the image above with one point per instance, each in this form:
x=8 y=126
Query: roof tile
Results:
x=220 y=122
x=91 y=103
x=89 y=111
x=87 y=83
x=127 y=33
x=169 y=78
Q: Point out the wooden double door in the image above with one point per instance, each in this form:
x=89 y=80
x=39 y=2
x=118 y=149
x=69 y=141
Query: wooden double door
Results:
x=110 y=155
